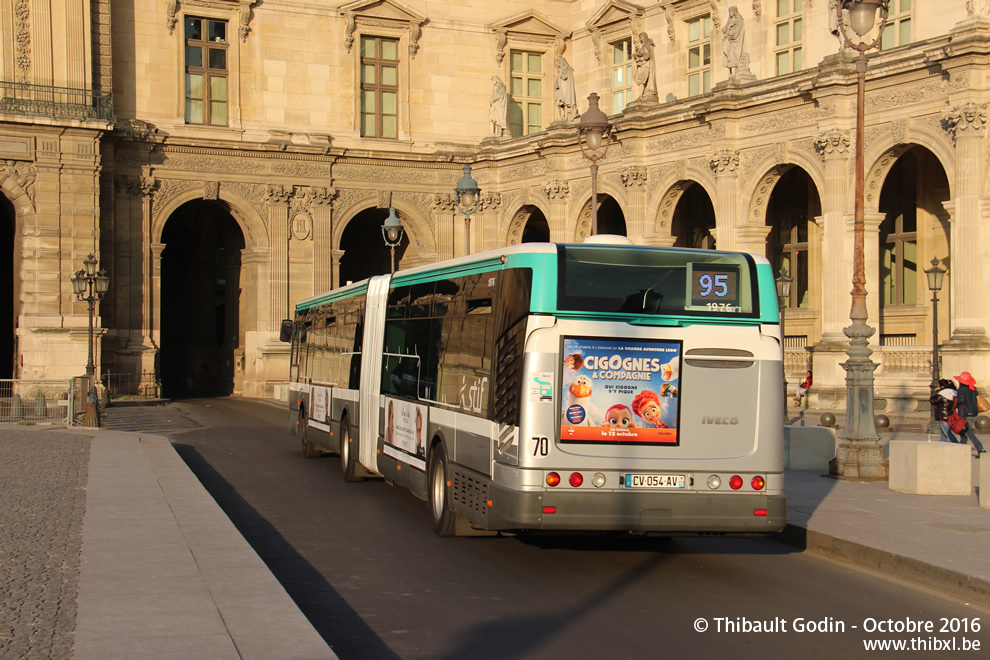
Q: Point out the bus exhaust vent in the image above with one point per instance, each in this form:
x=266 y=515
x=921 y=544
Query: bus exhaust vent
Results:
x=469 y=492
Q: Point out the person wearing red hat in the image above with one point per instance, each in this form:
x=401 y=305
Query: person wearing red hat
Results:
x=966 y=407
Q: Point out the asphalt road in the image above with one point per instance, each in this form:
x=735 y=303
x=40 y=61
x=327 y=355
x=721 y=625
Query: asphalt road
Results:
x=362 y=563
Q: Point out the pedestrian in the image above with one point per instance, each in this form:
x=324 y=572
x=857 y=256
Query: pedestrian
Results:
x=966 y=407
x=803 y=388
x=941 y=401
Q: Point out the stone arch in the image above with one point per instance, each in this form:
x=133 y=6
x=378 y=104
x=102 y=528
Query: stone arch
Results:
x=509 y=222
x=763 y=184
x=247 y=217
x=881 y=157
x=607 y=186
x=419 y=231
x=518 y=221
x=17 y=196
x=663 y=204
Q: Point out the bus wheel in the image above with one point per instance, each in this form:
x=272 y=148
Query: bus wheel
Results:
x=309 y=450
x=348 y=463
x=444 y=520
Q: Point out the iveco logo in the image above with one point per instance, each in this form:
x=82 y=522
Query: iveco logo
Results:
x=733 y=421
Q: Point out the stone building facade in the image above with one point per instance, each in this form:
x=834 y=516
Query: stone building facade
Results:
x=253 y=150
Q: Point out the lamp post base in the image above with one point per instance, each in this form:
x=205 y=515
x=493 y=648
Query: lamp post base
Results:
x=859 y=460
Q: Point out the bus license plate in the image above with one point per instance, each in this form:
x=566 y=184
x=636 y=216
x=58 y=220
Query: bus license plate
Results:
x=654 y=481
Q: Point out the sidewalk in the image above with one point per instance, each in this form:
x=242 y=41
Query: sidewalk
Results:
x=162 y=572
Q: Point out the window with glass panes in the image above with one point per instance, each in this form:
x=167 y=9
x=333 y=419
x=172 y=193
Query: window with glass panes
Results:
x=622 y=75
x=206 y=71
x=897 y=32
x=526 y=93
x=788 y=26
x=699 y=69
x=899 y=258
x=379 y=87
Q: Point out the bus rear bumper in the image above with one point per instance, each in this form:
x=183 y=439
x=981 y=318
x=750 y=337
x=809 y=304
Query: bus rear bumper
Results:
x=643 y=512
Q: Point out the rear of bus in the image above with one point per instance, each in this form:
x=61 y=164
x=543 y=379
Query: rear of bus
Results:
x=651 y=396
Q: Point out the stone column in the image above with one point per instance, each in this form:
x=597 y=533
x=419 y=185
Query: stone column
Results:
x=280 y=227
x=152 y=326
x=725 y=165
x=836 y=278
x=967 y=124
x=444 y=216
x=634 y=180
x=558 y=194
x=319 y=203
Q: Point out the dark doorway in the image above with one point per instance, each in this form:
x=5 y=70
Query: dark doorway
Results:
x=611 y=219
x=365 y=252
x=694 y=220
x=200 y=300
x=537 y=230
x=791 y=211
x=8 y=319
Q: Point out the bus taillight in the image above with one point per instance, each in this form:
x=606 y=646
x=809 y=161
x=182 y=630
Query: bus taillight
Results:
x=736 y=482
x=553 y=479
x=575 y=479
x=758 y=482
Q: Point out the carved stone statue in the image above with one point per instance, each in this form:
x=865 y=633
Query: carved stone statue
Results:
x=734 y=55
x=646 y=69
x=498 y=107
x=565 y=98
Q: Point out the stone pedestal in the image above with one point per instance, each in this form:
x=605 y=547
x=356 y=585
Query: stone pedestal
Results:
x=809 y=447
x=930 y=468
x=985 y=482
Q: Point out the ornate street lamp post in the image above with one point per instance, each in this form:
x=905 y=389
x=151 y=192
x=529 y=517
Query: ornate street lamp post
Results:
x=392 y=231
x=783 y=283
x=593 y=129
x=467 y=195
x=859 y=455
x=90 y=285
x=935 y=276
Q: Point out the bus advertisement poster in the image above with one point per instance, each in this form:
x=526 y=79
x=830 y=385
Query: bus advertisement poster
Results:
x=619 y=390
x=405 y=426
x=319 y=407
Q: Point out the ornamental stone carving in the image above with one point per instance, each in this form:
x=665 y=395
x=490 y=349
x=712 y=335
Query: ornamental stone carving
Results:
x=22 y=174
x=444 y=202
x=969 y=119
x=244 y=14
x=556 y=189
x=489 y=201
x=278 y=194
x=833 y=144
x=384 y=199
x=168 y=189
x=139 y=186
x=301 y=226
x=211 y=190
x=898 y=131
x=500 y=40
x=633 y=176
x=319 y=196
x=668 y=13
x=724 y=162
x=170 y=7
x=22 y=38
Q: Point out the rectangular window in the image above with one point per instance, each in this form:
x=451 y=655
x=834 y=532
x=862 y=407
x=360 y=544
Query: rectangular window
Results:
x=206 y=71
x=379 y=87
x=525 y=93
x=622 y=75
x=788 y=28
x=699 y=69
x=897 y=32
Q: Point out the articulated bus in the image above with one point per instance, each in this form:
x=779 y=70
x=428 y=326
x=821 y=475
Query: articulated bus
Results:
x=599 y=386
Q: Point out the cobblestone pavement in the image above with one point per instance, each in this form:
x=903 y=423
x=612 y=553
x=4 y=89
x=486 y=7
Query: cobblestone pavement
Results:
x=165 y=419
x=42 y=502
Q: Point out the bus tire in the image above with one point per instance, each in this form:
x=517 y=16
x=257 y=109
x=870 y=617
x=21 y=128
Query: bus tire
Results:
x=348 y=451
x=444 y=520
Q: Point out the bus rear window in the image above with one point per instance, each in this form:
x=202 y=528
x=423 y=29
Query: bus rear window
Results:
x=647 y=281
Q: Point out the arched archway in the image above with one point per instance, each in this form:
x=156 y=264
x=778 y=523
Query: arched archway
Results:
x=365 y=252
x=201 y=328
x=914 y=229
x=611 y=219
x=8 y=317
x=792 y=243
x=537 y=229
x=694 y=219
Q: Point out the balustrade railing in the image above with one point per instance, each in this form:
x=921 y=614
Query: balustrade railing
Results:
x=57 y=102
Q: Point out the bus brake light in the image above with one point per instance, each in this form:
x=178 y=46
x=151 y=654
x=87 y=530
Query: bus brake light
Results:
x=575 y=479
x=736 y=482
x=758 y=482
x=553 y=479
